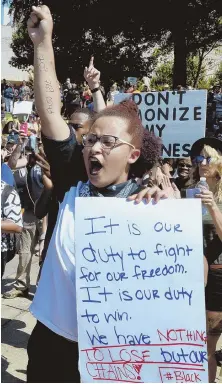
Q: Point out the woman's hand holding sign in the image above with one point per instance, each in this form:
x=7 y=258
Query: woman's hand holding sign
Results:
x=147 y=194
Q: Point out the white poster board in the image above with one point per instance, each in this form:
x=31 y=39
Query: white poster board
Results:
x=178 y=117
x=22 y=108
x=140 y=291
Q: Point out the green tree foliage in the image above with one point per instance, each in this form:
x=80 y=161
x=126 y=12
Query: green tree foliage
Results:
x=196 y=72
x=119 y=33
x=196 y=76
x=217 y=78
x=163 y=76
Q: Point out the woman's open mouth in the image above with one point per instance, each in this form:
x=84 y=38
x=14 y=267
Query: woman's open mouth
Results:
x=94 y=166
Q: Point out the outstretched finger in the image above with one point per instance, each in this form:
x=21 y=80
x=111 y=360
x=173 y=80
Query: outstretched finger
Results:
x=91 y=62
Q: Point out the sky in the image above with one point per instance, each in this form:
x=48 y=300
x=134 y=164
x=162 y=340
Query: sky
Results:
x=5 y=19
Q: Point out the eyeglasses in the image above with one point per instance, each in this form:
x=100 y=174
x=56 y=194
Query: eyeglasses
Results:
x=106 y=141
x=199 y=159
x=76 y=126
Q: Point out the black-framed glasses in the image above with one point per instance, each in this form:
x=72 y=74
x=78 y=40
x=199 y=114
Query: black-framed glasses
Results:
x=199 y=159
x=76 y=126
x=106 y=141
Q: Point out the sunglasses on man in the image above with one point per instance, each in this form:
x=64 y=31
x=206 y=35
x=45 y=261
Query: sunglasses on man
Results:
x=199 y=159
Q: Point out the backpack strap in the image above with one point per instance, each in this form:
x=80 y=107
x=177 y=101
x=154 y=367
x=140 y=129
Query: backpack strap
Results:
x=5 y=194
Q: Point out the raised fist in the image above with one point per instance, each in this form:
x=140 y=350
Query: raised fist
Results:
x=40 y=24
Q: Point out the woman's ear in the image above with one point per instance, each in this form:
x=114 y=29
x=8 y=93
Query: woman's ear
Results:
x=134 y=156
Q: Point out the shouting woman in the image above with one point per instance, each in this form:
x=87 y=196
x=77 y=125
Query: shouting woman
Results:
x=114 y=143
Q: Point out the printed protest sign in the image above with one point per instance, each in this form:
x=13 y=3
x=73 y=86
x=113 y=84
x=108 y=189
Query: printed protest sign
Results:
x=22 y=108
x=178 y=117
x=140 y=291
x=132 y=80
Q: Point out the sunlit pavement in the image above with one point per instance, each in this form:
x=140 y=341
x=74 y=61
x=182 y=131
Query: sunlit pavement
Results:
x=17 y=324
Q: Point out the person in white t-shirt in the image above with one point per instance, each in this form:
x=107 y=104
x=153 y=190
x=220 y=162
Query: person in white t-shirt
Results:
x=115 y=143
x=111 y=94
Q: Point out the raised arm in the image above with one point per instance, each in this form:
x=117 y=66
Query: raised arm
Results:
x=92 y=76
x=46 y=86
x=14 y=161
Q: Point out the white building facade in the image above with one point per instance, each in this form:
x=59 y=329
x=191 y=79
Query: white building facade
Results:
x=7 y=71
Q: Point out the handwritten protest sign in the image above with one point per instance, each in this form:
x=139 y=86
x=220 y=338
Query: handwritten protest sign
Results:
x=140 y=291
x=22 y=108
x=178 y=117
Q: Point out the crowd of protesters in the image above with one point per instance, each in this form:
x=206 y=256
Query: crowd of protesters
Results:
x=75 y=96
x=10 y=93
x=47 y=160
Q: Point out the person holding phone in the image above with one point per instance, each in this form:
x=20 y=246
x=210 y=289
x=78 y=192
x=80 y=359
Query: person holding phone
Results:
x=206 y=155
x=24 y=126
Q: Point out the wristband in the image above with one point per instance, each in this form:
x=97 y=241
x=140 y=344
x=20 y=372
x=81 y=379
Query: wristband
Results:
x=95 y=90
